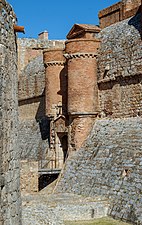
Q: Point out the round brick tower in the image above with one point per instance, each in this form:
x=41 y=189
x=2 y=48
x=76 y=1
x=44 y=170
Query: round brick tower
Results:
x=56 y=104
x=82 y=87
x=55 y=91
x=82 y=79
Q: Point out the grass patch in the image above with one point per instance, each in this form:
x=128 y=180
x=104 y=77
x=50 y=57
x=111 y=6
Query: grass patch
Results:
x=102 y=221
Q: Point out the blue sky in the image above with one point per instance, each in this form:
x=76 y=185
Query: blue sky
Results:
x=56 y=16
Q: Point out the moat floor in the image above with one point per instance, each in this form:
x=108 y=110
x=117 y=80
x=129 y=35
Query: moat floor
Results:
x=102 y=221
x=66 y=209
x=54 y=209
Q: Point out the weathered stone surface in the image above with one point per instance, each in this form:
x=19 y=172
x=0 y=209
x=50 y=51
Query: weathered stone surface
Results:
x=29 y=176
x=33 y=139
x=9 y=158
x=120 y=70
x=56 y=208
x=109 y=165
x=120 y=52
x=32 y=79
x=34 y=125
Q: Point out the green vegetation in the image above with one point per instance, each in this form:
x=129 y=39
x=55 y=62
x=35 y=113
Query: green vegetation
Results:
x=102 y=221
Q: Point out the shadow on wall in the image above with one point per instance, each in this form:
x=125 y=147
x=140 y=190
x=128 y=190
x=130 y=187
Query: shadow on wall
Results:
x=63 y=89
x=44 y=125
x=46 y=179
x=42 y=119
x=136 y=21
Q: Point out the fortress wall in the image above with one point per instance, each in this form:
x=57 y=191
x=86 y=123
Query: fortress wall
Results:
x=120 y=69
x=33 y=128
x=10 y=202
x=32 y=80
x=110 y=15
x=109 y=165
x=118 y=12
x=33 y=125
x=30 y=48
x=110 y=162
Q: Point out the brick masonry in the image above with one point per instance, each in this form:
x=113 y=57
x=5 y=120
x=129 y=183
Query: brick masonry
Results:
x=110 y=161
x=55 y=80
x=118 y=12
x=33 y=123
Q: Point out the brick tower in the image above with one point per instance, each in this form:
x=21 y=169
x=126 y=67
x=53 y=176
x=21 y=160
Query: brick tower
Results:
x=81 y=51
x=56 y=102
x=55 y=72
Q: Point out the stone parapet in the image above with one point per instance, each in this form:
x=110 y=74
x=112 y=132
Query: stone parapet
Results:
x=118 y=12
x=57 y=208
x=110 y=15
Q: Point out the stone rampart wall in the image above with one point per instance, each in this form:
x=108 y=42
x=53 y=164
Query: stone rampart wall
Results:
x=109 y=165
x=120 y=69
x=30 y=66
x=29 y=49
x=110 y=162
x=33 y=127
x=33 y=124
x=10 y=202
x=33 y=139
x=32 y=80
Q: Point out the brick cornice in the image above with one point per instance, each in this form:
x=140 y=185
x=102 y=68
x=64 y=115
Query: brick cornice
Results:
x=80 y=55
x=54 y=63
